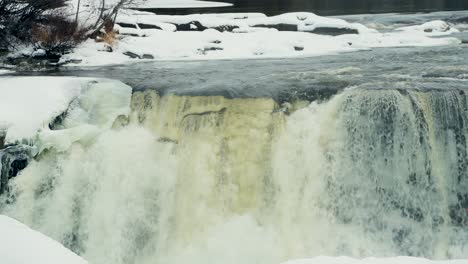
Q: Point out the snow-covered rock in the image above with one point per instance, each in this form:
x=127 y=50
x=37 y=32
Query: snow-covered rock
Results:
x=432 y=28
x=21 y=245
x=28 y=106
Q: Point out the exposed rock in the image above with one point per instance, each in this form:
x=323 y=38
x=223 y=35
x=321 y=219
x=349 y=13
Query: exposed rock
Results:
x=191 y=26
x=132 y=35
x=148 y=26
x=132 y=55
x=279 y=27
x=2 y=139
x=333 y=31
x=136 y=56
x=207 y=49
x=297 y=48
x=147 y=56
x=126 y=25
x=13 y=159
x=226 y=28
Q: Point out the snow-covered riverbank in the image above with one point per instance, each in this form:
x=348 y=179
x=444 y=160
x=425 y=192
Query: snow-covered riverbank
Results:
x=146 y=36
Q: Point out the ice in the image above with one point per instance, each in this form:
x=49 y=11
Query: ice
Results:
x=29 y=104
x=21 y=245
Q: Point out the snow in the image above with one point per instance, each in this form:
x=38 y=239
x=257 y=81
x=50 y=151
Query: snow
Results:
x=432 y=28
x=3 y=72
x=21 y=245
x=245 y=39
x=29 y=104
x=393 y=260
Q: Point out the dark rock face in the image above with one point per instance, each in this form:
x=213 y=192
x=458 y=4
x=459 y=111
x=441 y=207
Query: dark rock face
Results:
x=148 y=26
x=132 y=55
x=191 y=26
x=332 y=31
x=126 y=25
x=197 y=26
x=13 y=159
x=136 y=56
x=279 y=27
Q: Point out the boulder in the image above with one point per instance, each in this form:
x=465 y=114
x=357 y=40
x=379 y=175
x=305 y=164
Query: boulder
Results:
x=191 y=26
x=132 y=55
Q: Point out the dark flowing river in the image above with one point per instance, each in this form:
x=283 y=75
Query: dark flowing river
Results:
x=330 y=7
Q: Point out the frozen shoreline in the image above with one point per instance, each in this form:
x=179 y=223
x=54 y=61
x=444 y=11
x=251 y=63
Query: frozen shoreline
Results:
x=145 y=36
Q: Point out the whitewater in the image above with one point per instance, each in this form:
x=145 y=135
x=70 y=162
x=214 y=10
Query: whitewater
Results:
x=141 y=178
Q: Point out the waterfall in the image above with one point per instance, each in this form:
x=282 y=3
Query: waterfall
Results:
x=210 y=179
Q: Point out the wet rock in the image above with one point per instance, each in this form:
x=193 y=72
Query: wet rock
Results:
x=132 y=55
x=279 y=27
x=13 y=160
x=147 y=56
x=148 y=26
x=35 y=59
x=126 y=25
x=332 y=31
x=137 y=56
x=2 y=139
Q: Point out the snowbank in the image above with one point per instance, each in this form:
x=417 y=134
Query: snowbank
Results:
x=146 y=36
x=395 y=260
x=3 y=72
x=432 y=28
x=22 y=245
x=29 y=104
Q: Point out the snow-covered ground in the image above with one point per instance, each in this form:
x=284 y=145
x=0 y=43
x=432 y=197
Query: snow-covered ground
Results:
x=394 y=260
x=148 y=36
x=3 y=72
x=21 y=245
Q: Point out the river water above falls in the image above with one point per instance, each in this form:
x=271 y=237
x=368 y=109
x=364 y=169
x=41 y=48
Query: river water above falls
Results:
x=260 y=161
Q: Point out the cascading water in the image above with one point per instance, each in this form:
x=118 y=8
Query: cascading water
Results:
x=213 y=180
